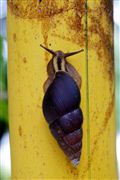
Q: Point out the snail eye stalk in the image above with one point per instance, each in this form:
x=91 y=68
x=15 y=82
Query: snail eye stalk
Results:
x=64 y=54
x=49 y=50
x=73 y=53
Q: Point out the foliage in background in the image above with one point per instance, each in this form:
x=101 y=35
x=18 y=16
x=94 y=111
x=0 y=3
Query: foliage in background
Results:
x=3 y=91
x=117 y=74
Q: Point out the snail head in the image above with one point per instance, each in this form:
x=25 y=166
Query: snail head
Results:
x=59 y=57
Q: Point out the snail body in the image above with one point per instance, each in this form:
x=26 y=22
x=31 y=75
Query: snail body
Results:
x=61 y=104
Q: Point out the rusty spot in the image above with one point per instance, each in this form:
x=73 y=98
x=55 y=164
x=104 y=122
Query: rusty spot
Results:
x=14 y=37
x=32 y=9
x=37 y=153
x=41 y=175
x=108 y=8
x=109 y=111
x=43 y=163
x=45 y=29
x=18 y=90
x=61 y=36
x=20 y=113
x=25 y=146
x=20 y=131
x=49 y=9
x=24 y=60
x=75 y=23
x=39 y=106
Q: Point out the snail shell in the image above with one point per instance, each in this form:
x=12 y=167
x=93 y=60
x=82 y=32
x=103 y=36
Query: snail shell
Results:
x=61 y=110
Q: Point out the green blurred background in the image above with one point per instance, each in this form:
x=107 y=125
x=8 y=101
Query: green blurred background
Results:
x=4 y=130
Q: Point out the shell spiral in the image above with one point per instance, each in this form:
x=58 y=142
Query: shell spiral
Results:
x=61 y=110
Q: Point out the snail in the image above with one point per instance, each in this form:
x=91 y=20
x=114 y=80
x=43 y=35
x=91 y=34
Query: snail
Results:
x=61 y=104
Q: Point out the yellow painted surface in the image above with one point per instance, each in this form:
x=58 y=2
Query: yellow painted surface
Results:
x=60 y=25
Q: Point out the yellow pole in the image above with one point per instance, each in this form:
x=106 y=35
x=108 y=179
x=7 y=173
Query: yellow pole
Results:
x=68 y=26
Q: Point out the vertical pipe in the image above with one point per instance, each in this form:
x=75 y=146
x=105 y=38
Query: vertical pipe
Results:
x=68 y=26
